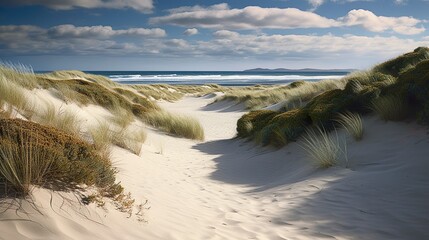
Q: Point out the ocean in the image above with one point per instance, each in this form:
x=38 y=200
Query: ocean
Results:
x=241 y=78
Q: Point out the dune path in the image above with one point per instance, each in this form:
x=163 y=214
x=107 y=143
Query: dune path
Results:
x=225 y=188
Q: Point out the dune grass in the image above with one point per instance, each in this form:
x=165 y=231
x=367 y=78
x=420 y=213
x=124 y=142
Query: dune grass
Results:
x=130 y=139
x=13 y=94
x=391 y=108
x=352 y=122
x=33 y=154
x=19 y=74
x=183 y=126
x=293 y=95
x=101 y=136
x=25 y=163
x=321 y=147
x=62 y=119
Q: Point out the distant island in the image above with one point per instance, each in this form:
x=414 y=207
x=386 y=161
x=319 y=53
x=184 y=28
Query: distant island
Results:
x=297 y=70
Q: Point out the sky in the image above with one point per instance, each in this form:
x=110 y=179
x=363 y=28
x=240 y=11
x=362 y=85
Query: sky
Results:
x=190 y=35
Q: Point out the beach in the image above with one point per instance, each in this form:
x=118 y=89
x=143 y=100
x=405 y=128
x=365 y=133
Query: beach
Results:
x=226 y=188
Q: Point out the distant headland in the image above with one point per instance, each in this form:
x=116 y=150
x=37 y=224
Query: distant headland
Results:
x=297 y=70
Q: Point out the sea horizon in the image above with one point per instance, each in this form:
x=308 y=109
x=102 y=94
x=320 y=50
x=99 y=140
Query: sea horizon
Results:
x=223 y=78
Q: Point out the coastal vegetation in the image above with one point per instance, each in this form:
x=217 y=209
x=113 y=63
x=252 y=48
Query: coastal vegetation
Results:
x=395 y=90
x=46 y=143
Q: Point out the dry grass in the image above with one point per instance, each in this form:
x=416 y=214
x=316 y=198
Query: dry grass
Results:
x=14 y=95
x=62 y=119
x=352 y=122
x=19 y=74
x=24 y=164
x=322 y=148
x=293 y=95
x=101 y=136
x=130 y=139
x=33 y=154
x=183 y=126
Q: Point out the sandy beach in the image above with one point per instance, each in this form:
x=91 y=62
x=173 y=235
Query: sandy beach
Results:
x=226 y=188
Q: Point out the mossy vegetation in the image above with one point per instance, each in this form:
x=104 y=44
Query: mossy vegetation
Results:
x=395 y=90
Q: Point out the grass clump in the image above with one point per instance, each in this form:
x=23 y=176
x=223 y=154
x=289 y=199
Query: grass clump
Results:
x=13 y=94
x=391 y=108
x=131 y=140
x=62 y=119
x=182 y=126
x=52 y=159
x=352 y=122
x=321 y=147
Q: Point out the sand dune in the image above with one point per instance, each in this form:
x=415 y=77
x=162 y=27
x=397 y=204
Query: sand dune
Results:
x=226 y=188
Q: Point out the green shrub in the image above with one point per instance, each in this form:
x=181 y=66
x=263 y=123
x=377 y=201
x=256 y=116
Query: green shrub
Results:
x=395 y=66
x=253 y=122
x=285 y=127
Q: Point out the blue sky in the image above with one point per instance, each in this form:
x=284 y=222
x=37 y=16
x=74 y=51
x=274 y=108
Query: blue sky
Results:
x=209 y=35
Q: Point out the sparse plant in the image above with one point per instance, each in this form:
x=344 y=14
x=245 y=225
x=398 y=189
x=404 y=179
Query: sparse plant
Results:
x=321 y=147
x=352 y=122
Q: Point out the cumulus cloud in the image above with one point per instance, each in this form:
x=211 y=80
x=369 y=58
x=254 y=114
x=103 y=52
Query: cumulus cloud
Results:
x=71 y=31
x=315 y=4
x=139 y=5
x=371 y=22
x=29 y=40
x=69 y=38
x=253 y=17
x=190 y=31
x=222 y=17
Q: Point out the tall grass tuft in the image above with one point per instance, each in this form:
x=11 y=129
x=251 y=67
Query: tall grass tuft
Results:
x=321 y=147
x=182 y=126
x=24 y=164
x=391 y=107
x=101 y=136
x=131 y=140
x=352 y=122
x=13 y=94
x=61 y=119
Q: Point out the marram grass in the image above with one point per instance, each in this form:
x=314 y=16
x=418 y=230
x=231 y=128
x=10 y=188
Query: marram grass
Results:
x=352 y=122
x=182 y=126
x=390 y=107
x=323 y=148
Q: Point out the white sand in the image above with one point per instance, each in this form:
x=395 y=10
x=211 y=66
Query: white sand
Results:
x=225 y=188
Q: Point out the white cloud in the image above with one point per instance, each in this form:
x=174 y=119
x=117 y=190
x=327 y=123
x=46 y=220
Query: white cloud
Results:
x=69 y=38
x=400 y=2
x=139 y=5
x=315 y=4
x=71 y=31
x=373 y=23
x=190 y=31
x=222 y=17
